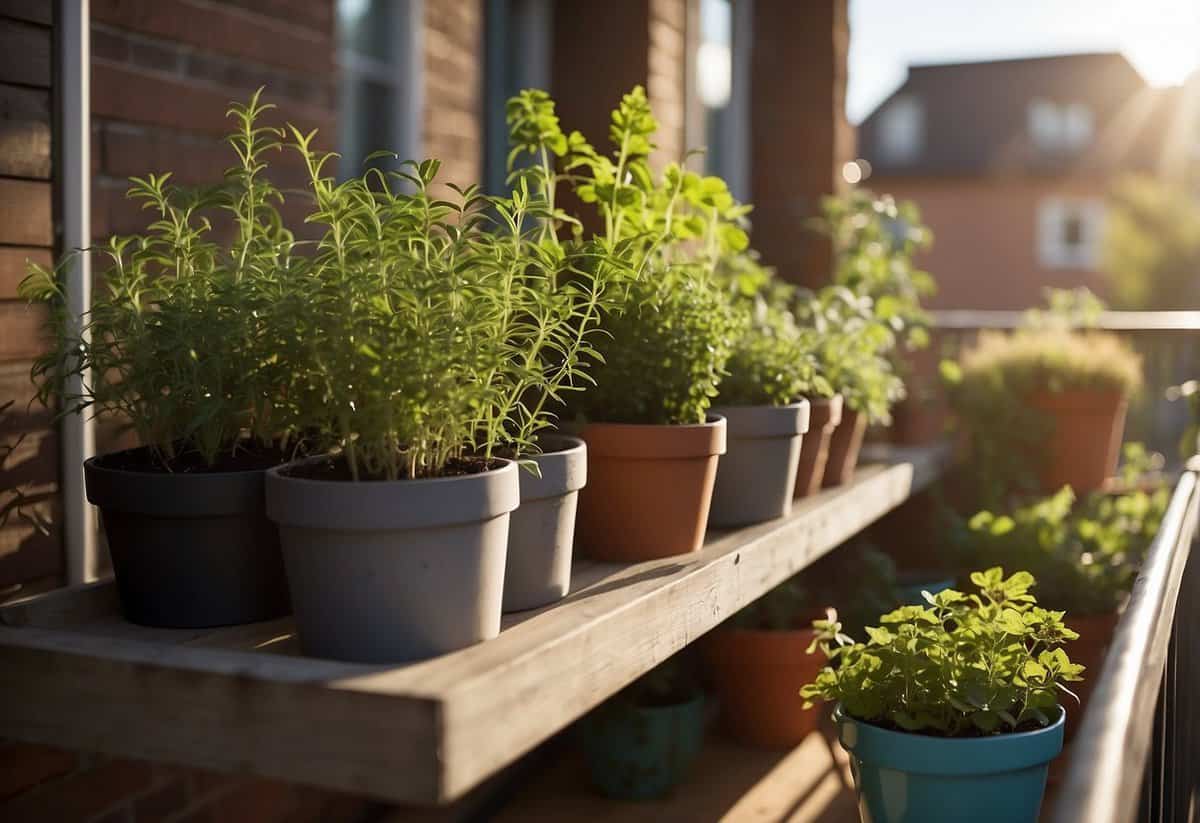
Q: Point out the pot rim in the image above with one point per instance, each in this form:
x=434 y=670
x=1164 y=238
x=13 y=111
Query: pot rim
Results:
x=170 y=495
x=563 y=470
x=427 y=502
x=765 y=422
x=828 y=408
x=927 y=754
x=657 y=441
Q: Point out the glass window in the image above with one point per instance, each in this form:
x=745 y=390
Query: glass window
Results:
x=1070 y=233
x=379 y=58
x=718 y=97
x=1057 y=127
x=518 y=56
x=902 y=130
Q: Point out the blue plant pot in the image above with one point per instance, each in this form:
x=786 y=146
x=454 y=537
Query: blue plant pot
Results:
x=642 y=752
x=914 y=778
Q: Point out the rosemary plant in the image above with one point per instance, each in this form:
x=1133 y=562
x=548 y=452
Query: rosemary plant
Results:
x=174 y=340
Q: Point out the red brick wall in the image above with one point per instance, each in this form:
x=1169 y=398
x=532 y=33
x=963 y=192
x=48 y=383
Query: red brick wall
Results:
x=984 y=254
x=39 y=784
x=27 y=558
x=453 y=99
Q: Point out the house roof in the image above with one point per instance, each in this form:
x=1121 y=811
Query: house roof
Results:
x=975 y=120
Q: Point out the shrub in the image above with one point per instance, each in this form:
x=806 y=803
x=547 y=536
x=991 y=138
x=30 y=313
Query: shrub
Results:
x=961 y=666
x=669 y=336
x=175 y=338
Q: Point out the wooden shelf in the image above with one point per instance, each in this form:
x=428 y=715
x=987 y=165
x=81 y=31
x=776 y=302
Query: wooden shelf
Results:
x=241 y=699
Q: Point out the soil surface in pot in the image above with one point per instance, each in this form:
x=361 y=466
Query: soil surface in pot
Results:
x=244 y=459
x=338 y=469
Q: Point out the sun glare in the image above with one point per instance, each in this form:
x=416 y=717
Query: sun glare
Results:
x=1163 y=39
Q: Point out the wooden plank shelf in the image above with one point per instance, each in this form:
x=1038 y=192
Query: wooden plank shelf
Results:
x=241 y=699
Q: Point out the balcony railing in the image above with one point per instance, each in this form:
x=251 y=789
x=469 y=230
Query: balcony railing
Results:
x=1137 y=754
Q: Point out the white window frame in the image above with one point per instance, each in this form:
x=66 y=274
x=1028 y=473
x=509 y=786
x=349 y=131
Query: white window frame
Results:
x=1052 y=215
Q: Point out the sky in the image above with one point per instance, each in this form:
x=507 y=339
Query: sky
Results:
x=1160 y=37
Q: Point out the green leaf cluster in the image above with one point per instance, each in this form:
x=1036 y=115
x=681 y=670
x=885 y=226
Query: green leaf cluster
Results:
x=1085 y=554
x=962 y=665
x=176 y=340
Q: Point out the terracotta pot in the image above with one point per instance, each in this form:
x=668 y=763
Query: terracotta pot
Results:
x=757 y=476
x=649 y=488
x=1085 y=442
x=1095 y=636
x=844 y=448
x=824 y=415
x=758 y=674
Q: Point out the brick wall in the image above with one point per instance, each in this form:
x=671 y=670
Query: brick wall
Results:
x=27 y=557
x=666 y=82
x=453 y=98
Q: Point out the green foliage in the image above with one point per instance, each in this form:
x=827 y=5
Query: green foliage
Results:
x=865 y=586
x=773 y=361
x=1189 y=443
x=851 y=352
x=1084 y=554
x=963 y=665
x=175 y=339
x=1152 y=245
x=875 y=240
x=670 y=335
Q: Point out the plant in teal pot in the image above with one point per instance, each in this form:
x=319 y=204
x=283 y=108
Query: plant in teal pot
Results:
x=950 y=711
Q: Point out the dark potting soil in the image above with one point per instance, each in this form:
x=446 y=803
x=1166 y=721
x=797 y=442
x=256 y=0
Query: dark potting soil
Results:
x=244 y=459
x=338 y=469
x=970 y=733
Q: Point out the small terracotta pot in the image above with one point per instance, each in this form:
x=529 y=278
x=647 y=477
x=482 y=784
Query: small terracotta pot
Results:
x=1085 y=442
x=758 y=674
x=1095 y=636
x=757 y=476
x=649 y=489
x=844 y=448
x=824 y=415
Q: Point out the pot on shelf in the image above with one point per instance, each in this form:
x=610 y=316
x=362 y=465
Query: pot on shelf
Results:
x=756 y=477
x=649 y=488
x=636 y=752
x=189 y=549
x=1084 y=442
x=824 y=416
x=542 y=529
x=844 y=448
x=397 y=570
x=1089 y=649
x=757 y=675
x=918 y=778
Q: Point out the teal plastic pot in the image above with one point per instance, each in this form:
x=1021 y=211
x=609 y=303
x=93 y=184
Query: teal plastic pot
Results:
x=915 y=778
x=642 y=752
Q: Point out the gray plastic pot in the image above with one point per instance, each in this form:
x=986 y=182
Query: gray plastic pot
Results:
x=542 y=530
x=391 y=571
x=756 y=477
x=189 y=550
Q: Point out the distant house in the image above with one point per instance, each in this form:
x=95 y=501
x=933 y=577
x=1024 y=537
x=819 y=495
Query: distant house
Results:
x=1010 y=161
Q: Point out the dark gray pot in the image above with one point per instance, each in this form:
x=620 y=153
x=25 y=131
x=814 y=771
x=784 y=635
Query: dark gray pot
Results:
x=390 y=571
x=756 y=477
x=189 y=550
x=542 y=530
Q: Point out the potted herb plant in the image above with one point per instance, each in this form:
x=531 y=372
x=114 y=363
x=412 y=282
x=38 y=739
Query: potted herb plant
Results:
x=1049 y=398
x=772 y=370
x=176 y=348
x=951 y=708
x=1085 y=555
x=652 y=447
x=641 y=743
x=853 y=343
x=395 y=538
x=757 y=663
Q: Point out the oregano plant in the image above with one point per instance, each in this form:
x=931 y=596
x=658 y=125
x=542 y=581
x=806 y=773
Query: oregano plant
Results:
x=962 y=665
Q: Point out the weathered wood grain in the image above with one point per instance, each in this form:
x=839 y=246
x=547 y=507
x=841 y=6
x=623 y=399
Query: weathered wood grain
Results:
x=240 y=699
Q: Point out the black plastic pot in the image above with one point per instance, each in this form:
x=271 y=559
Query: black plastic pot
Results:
x=189 y=550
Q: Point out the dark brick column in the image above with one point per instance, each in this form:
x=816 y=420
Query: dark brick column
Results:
x=799 y=135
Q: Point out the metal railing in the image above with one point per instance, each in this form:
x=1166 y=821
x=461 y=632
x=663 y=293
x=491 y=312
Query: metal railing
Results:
x=1137 y=754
